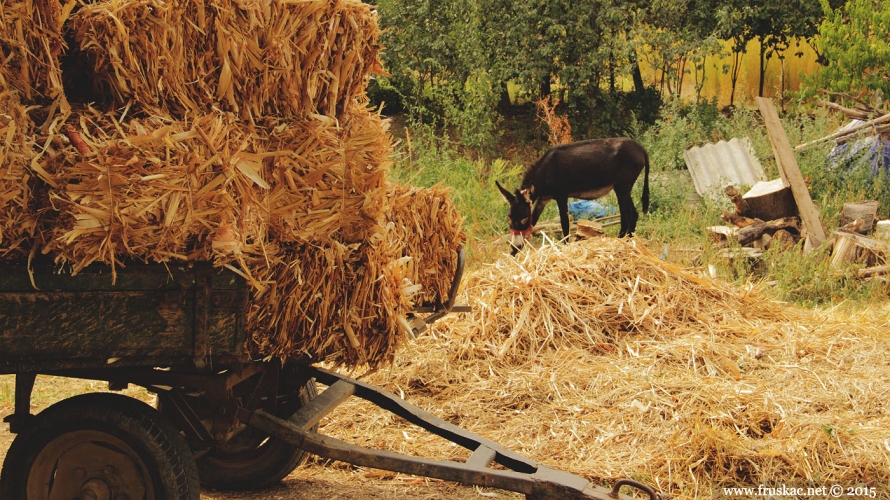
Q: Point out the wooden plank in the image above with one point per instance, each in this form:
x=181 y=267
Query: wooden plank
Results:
x=790 y=172
x=846 y=132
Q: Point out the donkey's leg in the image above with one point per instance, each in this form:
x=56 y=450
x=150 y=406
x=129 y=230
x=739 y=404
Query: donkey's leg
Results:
x=563 y=204
x=627 y=210
x=540 y=205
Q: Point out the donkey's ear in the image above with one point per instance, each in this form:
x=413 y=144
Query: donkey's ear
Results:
x=506 y=194
x=527 y=193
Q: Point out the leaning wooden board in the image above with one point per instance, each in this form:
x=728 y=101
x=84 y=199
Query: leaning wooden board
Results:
x=154 y=315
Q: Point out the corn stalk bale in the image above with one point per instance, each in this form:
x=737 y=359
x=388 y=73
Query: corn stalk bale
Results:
x=426 y=227
x=727 y=388
x=331 y=183
x=30 y=45
x=255 y=59
x=18 y=217
x=344 y=304
x=215 y=188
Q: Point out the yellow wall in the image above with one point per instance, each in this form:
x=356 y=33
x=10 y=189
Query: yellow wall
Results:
x=718 y=84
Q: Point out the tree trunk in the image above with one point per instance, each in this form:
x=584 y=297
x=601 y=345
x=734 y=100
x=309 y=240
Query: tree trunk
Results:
x=420 y=86
x=504 y=102
x=762 y=68
x=637 y=74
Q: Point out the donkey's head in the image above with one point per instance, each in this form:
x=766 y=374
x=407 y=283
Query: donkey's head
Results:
x=520 y=215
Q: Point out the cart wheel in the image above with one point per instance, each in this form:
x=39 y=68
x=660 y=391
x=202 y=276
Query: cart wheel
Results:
x=251 y=459
x=99 y=446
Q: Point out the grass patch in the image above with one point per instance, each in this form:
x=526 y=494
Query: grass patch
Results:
x=675 y=227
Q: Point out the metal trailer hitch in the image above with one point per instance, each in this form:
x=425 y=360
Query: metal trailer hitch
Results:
x=522 y=475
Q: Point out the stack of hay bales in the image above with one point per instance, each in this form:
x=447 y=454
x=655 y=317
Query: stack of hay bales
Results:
x=236 y=133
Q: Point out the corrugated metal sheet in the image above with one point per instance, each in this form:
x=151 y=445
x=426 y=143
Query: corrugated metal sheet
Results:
x=713 y=166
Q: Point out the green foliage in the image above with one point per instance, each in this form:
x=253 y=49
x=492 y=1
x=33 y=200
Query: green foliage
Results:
x=854 y=44
x=381 y=91
x=433 y=160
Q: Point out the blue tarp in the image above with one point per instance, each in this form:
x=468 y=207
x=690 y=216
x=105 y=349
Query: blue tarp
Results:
x=868 y=151
x=589 y=209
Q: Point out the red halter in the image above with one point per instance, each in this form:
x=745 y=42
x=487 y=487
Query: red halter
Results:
x=525 y=233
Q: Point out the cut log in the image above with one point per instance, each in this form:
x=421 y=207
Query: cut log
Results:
x=589 y=229
x=864 y=210
x=748 y=234
x=855 y=248
x=868 y=272
x=784 y=240
x=738 y=220
x=770 y=200
x=852 y=227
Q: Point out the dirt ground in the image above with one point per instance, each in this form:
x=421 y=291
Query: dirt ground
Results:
x=315 y=479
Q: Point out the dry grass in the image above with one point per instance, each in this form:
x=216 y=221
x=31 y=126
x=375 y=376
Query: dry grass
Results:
x=599 y=359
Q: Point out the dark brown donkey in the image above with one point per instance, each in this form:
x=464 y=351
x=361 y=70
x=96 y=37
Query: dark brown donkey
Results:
x=585 y=169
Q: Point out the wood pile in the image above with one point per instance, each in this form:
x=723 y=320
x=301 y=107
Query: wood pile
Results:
x=765 y=213
x=223 y=131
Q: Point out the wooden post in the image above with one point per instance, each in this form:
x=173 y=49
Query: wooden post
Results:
x=790 y=172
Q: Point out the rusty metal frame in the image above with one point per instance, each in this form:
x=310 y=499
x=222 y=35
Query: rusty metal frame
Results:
x=518 y=474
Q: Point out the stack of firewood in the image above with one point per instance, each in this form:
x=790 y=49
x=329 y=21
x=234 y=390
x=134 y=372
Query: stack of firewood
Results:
x=764 y=217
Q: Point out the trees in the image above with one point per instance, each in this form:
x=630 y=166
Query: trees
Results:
x=452 y=59
x=854 y=46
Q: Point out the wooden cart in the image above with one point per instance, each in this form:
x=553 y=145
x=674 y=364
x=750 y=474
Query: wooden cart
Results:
x=178 y=331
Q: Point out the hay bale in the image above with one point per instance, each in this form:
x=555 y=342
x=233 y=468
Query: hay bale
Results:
x=345 y=304
x=424 y=224
x=650 y=371
x=30 y=45
x=254 y=59
x=18 y=216
x=213 y=187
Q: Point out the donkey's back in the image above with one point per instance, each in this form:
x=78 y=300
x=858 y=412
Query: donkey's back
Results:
x=589 y=169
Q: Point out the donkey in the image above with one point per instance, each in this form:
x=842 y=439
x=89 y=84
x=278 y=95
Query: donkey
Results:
x=585 y=169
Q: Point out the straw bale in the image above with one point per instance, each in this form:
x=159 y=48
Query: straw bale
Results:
x=156 y=189
x=256 y=59
x=425 y=225
x=17 y=211
x=30 y=45
x=342 y=303
x=691 y=385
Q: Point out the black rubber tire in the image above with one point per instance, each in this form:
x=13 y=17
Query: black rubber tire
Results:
x=100 y=441
x=253 y=460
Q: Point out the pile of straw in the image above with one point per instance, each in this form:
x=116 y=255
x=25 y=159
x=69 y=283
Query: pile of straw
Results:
x=252 y=58
x=626 y=366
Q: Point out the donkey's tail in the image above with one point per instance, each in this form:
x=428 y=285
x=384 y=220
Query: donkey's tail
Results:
x=645 y=198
